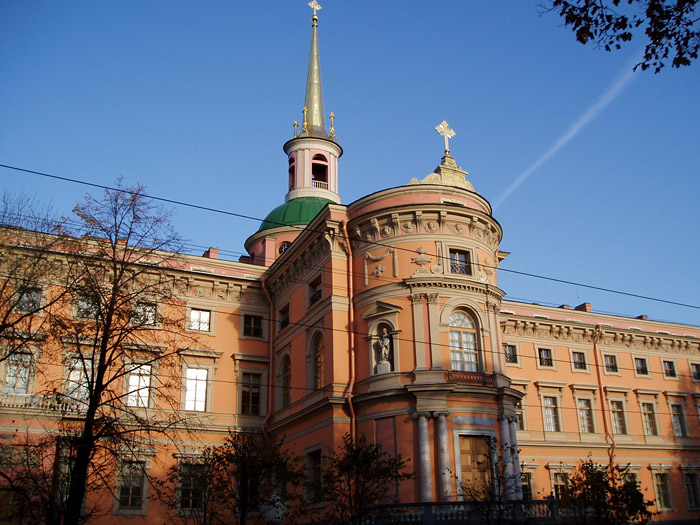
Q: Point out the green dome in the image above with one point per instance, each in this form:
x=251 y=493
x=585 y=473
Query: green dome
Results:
x=297 y=212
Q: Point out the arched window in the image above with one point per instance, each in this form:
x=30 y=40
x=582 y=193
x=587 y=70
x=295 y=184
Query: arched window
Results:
x=286 y=381
x=318 y=362
x=319 y=172
x=463 y=346
x=292 y=170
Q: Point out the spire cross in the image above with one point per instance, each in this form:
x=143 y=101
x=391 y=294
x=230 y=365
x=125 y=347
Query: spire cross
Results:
x=315 y=6
x=444 y=129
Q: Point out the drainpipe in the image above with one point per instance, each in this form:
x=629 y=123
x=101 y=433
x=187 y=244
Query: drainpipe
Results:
x=351 y=333
x=603 y=397
x=271 y=368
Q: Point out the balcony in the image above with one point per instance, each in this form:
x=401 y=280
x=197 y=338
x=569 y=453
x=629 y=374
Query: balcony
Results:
x=319 y=184
x=470 y=378
x=55 y=403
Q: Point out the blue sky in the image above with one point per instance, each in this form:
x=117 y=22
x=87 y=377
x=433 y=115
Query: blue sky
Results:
x=594 y=170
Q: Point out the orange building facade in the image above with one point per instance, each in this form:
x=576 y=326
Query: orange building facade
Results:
x=384 y=317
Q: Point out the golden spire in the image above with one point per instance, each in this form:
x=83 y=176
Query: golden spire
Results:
x=316 y=120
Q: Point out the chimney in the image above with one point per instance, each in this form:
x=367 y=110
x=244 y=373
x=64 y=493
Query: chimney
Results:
x=584 y=307
x=211 y=253
x=642 y=317
x=565 y=307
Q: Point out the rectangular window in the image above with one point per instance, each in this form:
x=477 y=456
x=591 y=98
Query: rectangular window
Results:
x=678 y=420
x=649 y=418
x=663 y=492
x=250 y=395
x=618 y=417
x=669 y=368
x=86 y=307
x=139 y=382
x=551 y=414
x=193 y=482
x=196 y=389
x=131 y=485
x=200 y=320
x=519 y=421
x=313 y=464
x=315 y=291
x=511 y=354
x=29 y=300
x=252 y=325
x=585 y=415
x=695 y=371
x=460 y=262
x=545 y=357
x=18 y=372
x=561 y=485
x=692 y=495
x=610 y=363
x=640 y=366
x=525 y=483
x=463 y=351
x=146 y=314
x=79 y=380
x=579 y=360
x=284 y=317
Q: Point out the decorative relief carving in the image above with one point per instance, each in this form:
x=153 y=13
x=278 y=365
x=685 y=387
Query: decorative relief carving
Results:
x=437 y=268
x=431 y=227
x=407 y=227
x=421 y=260
x=432 y=298
x=370 y=257
x=619 y=339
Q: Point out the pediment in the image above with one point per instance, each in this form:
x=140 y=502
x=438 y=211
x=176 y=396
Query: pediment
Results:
x=380 y=309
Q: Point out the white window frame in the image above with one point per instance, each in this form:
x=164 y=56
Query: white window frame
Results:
x=145 y=458
x=262 y=397
x=618 y=367
x=693 y=378
x=556 y=406
x=195 y=325
x=21 y=295
x=135 y=393
x=591 y=409
x=263 y=325
x=200 y=359
x=468 y=265
x=678 y=399
x=83 y=304
x=553 y=358
x=654 y=416
x=78 y=372
x=691 y=470
x=456 y=333
x=623 y=410
x=16 y=354
x=139 y=309
x=662 y=469
x=518 y=360
x=634 y=366
x=674 y=362
x=586 y=366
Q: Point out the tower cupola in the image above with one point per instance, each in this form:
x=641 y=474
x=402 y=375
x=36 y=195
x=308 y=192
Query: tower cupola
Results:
x=314 y=151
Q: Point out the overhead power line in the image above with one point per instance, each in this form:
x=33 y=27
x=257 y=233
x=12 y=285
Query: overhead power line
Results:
x=303 y=228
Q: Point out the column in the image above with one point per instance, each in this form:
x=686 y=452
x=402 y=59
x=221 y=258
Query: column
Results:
x=507 y=458
x=443 y=456
x=418 y=330
x=433 y=323
x=425 y=470
x=516 y=459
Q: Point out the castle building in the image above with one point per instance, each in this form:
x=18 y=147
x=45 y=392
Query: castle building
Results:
x=383 y=317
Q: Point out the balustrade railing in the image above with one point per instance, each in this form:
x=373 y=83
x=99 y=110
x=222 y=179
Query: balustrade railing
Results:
x=319 y=184
x=476 y=512
x=469 y=378
x=39 y=402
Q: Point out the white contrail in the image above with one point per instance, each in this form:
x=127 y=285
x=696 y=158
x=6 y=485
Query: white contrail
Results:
x=592 y=112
